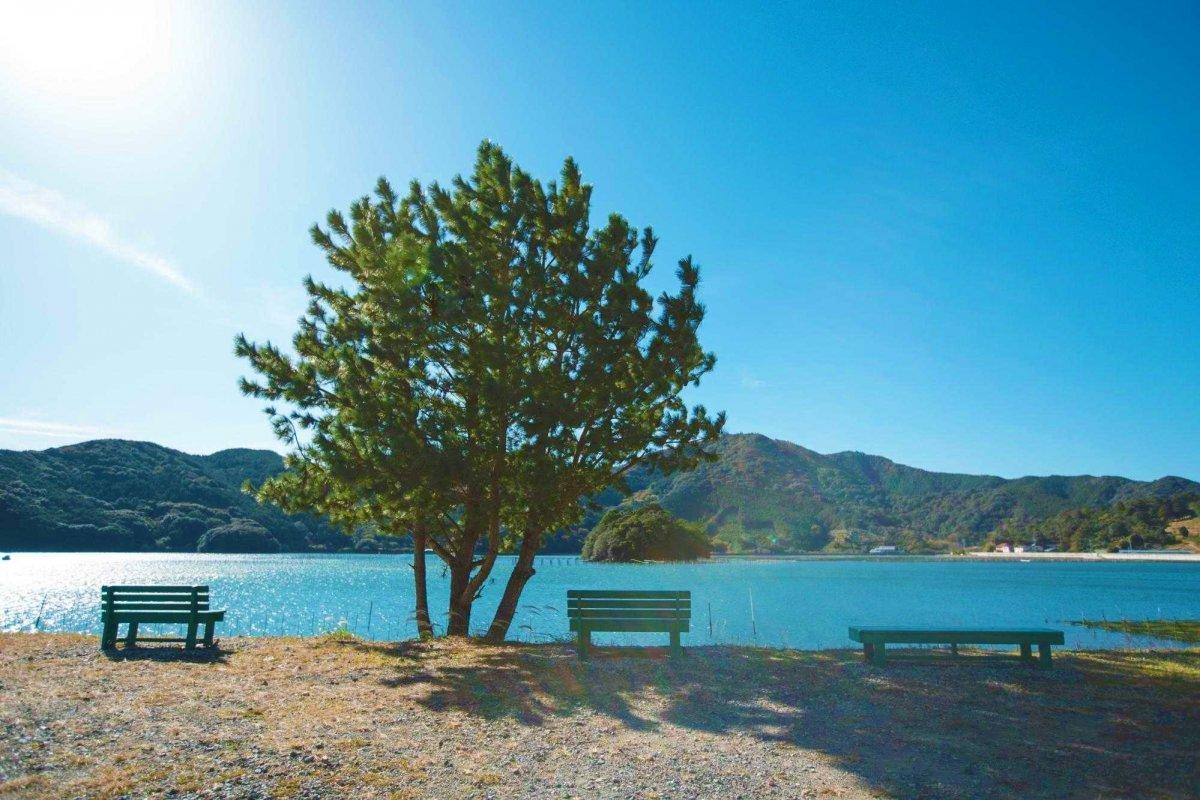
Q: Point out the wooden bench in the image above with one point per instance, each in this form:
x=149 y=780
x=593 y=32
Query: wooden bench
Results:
x=132 y=605
x=874 y=639
x=591 y=610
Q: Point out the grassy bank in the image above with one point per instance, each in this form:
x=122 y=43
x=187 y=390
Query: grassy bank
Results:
x=1181 y=630
x=316 y=718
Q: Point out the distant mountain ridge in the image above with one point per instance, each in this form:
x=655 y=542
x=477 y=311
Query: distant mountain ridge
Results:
x=771 y=495
x=112 y=494
x=761 y=495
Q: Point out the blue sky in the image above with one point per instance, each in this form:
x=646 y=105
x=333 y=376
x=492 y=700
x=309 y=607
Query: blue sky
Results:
x=964 y=236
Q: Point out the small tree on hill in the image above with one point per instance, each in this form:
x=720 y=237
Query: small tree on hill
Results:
x=493 y=362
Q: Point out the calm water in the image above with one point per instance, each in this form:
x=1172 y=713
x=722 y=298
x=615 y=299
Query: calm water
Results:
x=806 y=603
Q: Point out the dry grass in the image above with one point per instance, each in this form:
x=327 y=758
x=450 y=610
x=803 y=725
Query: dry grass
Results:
x=307 y=718
x=1188 y=531
x=1181 y=630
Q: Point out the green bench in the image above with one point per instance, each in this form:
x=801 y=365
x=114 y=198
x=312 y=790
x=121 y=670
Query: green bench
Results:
x=591 y=610
x=874 y=639
x=131 y=605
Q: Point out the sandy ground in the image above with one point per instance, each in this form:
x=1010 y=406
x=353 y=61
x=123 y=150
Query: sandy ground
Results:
x=315 y=718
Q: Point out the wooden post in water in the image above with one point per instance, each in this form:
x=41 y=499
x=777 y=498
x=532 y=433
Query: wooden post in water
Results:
x=753 y=624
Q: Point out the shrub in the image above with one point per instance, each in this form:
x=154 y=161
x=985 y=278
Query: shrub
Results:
x=648 y=533
x=239 y=536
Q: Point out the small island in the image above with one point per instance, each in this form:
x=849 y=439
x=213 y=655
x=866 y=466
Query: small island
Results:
x=645 y=533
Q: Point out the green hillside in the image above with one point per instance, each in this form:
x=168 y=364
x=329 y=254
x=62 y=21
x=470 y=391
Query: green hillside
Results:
x=767 y=495
x=1140 y=523
x=761 y=495
x=118 y=495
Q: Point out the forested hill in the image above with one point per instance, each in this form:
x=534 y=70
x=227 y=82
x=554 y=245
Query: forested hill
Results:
x=769 y=495
x=761 y=495
x=117 y=495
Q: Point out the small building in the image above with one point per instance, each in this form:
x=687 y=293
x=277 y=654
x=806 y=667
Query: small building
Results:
x=884 y=550
x=1005 y=547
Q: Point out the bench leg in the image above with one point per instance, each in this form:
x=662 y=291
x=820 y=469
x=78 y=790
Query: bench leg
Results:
x=584 y=643
x=868 y=652
x=1044 y=656
x=108 y=639
x=131 y=635
x=208 y=633
x=190 y=644
x=1027 y=653
x=953 y=650
x=676 y=647
x=878 y=656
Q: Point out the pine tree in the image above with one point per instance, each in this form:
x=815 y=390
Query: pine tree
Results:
x=494 y=362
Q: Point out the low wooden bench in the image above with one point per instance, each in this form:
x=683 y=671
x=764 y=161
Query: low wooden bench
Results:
x=874 y=639
x=187 y=605
x=591 y=610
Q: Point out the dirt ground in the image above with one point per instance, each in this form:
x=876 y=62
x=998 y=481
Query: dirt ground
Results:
x=316 y=718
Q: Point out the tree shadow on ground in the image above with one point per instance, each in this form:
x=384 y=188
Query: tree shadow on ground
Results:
x=982 y=725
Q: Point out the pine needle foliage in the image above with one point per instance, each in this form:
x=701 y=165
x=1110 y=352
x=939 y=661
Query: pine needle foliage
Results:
x=491 y=361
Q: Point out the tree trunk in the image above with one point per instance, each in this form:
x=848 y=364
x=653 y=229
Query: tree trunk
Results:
x=460 y=599
x=521 y=574
x=424 y=626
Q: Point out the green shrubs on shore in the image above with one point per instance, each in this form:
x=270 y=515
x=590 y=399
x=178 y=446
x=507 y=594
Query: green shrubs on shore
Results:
x=647 y=533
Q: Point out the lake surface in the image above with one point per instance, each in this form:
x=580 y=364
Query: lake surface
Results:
x=803 y=603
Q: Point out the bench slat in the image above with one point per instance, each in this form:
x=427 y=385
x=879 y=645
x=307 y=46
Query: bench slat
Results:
x=602 y=610
x=630 y=593
x=136 y=588
x=147 y=596
x=164 y=616
x=956 y=635
x=627 y=613
x=971 y=629
x=587 y=602
x=157 y=607
x=620 y=625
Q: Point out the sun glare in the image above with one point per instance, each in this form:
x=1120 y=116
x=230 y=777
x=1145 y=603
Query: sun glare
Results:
x=85 y=51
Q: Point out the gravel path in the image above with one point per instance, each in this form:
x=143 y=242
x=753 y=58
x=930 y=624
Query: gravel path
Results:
x=309 y=718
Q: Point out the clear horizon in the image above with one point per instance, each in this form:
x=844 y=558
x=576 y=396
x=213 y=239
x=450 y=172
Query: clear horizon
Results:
x=961 y=238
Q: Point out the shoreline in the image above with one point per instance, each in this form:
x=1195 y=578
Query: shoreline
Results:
x=1181 y=556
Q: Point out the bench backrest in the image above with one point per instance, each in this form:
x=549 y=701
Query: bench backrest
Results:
x=629 y=607
x=154 y=598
